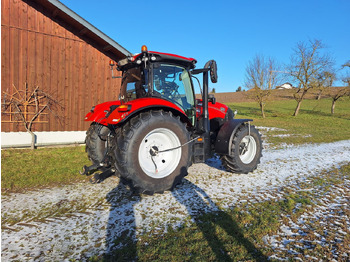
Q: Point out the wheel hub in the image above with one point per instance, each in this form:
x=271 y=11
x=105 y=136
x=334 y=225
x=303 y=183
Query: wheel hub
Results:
x=247 y=149
x=153 y=151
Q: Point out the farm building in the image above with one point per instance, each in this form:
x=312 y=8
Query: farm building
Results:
x=46 y=45
x=285 y=86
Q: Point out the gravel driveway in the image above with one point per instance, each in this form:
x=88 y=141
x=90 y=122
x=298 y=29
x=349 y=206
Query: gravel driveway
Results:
x=78 y=221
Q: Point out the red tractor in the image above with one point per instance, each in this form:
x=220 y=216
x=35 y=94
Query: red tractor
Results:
x=157 y=128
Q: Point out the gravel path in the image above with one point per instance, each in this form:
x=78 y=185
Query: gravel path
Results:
x=80 y=220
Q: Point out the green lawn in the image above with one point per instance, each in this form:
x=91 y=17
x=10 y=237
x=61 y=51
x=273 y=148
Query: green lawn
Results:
x=314 y=124
x=23 y=169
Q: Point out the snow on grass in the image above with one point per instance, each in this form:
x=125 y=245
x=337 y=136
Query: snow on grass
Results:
x=110 y=210
x=324 y=228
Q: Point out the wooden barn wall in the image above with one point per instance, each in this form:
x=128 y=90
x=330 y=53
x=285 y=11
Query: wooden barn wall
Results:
x=40 y=52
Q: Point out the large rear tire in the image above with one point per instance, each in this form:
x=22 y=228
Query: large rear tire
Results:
x=139 y=155
x=246 y=148
x=96 y=139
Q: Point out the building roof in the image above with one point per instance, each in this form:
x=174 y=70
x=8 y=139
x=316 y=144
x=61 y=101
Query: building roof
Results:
x=84 y=28
x=285 y=86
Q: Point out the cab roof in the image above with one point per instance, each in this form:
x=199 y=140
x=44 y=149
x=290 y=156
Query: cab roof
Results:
x=153 y=56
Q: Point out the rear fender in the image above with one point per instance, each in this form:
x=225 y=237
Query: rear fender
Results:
x=137 y=106
x=226 y=134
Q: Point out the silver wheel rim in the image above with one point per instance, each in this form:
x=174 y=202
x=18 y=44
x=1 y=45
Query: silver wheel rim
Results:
x=247 y=149
x=161 y=164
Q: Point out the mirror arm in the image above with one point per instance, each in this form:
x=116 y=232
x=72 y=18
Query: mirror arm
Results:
x=199 y=71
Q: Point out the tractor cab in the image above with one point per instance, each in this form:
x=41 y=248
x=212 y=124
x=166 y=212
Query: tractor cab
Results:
x=158 y=75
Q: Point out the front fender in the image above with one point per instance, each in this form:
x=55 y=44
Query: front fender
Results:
x=98 y=113
x=226 y=133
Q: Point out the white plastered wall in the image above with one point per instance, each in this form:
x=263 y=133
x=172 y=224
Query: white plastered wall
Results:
x=23 y=139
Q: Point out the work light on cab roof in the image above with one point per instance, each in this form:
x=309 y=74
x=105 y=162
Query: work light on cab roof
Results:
x=157 y=128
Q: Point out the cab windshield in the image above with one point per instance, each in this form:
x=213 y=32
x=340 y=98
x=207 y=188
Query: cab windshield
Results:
x=174 y=83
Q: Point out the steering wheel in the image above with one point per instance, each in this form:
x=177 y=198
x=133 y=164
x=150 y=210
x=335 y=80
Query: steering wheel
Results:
x=170 y=88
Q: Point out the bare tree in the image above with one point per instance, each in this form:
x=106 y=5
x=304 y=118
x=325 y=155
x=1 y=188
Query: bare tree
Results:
x=346 y=76
x=345 y=91
x=347 y=64
x=37 y=100
x=323 y=82
x=307 y=64
x=261 y=77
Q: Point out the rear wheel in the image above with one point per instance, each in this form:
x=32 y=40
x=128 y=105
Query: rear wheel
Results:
x=246 y=147
x=140 y=151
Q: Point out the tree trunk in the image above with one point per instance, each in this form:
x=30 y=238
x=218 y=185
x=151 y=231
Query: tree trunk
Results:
x=333 y=107
x=299 y=100
x=319 y=96
x=296 y=112
x=262 y=109
x=32 y=146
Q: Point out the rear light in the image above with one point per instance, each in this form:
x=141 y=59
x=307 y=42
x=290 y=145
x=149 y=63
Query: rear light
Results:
x=124 y=108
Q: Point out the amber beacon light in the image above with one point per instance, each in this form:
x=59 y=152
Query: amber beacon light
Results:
x=144 y=49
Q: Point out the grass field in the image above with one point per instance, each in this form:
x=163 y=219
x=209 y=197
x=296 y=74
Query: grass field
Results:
x=314 y=124
x=24 y=169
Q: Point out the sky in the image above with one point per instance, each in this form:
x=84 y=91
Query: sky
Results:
x=230 y=32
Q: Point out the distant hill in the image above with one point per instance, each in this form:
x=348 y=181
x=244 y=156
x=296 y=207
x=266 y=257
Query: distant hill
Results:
x=277 y=94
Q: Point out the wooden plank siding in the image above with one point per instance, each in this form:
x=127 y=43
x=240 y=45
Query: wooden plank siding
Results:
x=40 y=50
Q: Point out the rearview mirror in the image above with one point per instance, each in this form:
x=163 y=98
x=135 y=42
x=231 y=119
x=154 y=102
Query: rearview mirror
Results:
x=213 y=70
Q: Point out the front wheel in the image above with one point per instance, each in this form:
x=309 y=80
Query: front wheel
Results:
x=96 y=141
x=245 y=150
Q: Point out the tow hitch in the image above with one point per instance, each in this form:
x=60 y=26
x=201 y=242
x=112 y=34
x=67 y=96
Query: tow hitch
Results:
x=104 y=166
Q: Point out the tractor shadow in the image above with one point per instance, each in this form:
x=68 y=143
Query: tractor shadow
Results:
x=215 y=162
x=121 y=239
x=207 y=216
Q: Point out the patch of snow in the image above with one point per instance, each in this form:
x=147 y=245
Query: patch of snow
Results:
x=326 y=226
